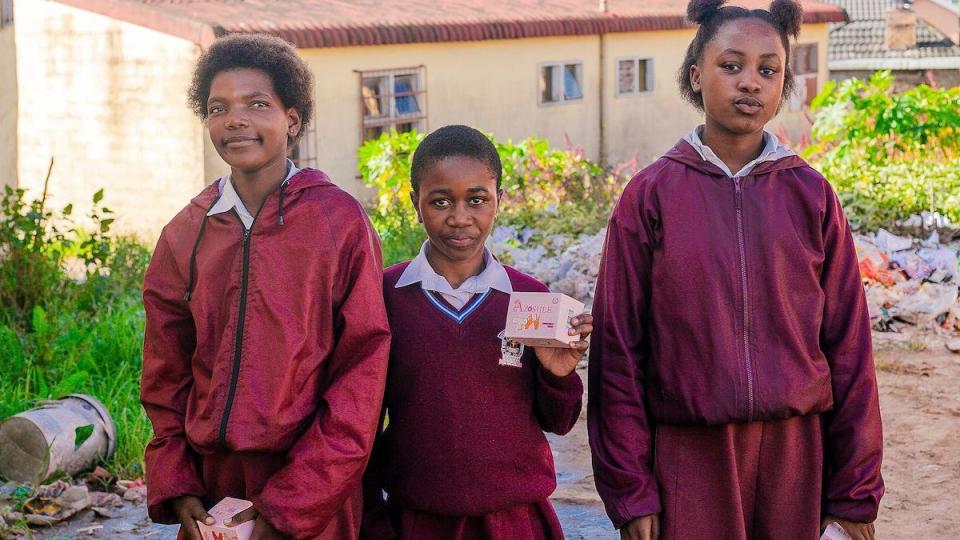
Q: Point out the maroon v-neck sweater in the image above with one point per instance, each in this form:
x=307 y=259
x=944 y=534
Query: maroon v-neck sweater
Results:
x=465 y=433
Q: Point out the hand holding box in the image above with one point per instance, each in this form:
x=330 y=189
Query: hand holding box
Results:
x=225 y=509
x=541 y=319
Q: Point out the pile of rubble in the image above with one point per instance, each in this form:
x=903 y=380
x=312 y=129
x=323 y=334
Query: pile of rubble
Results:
x=911 y=283
x=567 y=265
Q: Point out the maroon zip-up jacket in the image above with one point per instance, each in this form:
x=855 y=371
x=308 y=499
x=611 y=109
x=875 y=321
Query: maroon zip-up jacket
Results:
x=730 y=300
x=271 y=341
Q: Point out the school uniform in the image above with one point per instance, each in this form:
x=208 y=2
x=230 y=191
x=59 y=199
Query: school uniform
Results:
x=463 y=454
x=732 y=384
x=265 y=355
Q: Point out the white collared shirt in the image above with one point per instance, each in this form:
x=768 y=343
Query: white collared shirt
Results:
x=773 y=150
x=493 y=276
x=229 y=199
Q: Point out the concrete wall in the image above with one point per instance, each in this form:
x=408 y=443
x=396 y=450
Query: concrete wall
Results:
x=8 y=107
x=492 y=85
x=107 y=100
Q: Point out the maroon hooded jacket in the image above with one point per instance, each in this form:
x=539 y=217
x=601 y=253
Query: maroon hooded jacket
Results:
x=269 y=341
x=730 y=300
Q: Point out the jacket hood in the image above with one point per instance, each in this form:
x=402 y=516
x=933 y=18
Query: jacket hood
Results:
x=683 y=152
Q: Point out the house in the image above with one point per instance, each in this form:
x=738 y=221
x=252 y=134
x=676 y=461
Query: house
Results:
x=917 y=41
x=101 y=83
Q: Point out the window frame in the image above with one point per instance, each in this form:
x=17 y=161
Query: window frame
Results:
x=648 y=75
x=306 y=153
x=561 y=65
x=800 y=79
x=392 y=118
x=6 y=13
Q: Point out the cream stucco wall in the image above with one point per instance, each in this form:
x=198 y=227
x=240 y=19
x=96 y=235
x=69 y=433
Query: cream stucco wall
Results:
x=492 y=85
x=648 y=124
x=8 y=107
x=106 y=99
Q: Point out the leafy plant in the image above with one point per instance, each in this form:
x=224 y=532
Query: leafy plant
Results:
x=889 y=155
x=71 y=317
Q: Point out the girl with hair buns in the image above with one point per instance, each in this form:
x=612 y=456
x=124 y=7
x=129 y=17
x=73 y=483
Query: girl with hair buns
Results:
x=732 y=391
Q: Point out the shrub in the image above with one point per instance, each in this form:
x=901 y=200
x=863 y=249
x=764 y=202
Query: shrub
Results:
x=888 y=155
x=71 y=317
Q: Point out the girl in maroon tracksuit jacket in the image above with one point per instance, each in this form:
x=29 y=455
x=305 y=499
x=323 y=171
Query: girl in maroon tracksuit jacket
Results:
x=463 y=455
x=266 y=343
x=732 y=387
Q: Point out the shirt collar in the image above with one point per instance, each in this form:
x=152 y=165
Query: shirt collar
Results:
x=773 y=150
x=229 y=199
x=493 y=276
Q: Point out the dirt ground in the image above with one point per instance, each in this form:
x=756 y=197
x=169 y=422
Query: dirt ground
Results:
x=920 y=403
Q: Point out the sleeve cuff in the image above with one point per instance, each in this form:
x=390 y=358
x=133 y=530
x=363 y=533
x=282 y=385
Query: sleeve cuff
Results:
x=570 y=383
x=858 y=511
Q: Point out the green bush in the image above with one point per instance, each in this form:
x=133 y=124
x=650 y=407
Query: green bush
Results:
x=551 y=190
x=888 y=155
x=71 y=319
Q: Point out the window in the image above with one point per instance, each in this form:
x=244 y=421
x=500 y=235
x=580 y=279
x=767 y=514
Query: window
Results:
x=561 y=81
x=634 y=76
x=392 y=99
x=6 y=13
x=305 y=152
x=804 y=66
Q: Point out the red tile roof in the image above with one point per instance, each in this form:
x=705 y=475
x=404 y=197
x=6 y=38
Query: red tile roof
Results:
x=340 y=23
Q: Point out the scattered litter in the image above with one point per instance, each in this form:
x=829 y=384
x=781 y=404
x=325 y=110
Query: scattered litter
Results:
x=953 y=345
x=890 y=243
x=103 y=499
x=909 y=283
x=55 y=502
x=89 y=530
x=136 y=494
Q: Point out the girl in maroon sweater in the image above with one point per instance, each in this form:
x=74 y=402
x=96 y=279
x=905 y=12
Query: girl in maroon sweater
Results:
x=732 y=388
x=463 y=454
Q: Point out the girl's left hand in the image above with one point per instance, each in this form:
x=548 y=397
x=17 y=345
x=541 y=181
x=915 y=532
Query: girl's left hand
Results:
x=562 y=361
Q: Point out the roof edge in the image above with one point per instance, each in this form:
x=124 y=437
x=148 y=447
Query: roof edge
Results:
x=894 y=64
x=203 y=33
x=150 y=17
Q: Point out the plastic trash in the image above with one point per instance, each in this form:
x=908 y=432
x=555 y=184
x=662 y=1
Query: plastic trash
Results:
x=890 y=242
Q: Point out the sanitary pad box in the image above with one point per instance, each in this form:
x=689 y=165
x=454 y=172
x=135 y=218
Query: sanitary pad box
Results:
x=541 y=319
x=227 y=508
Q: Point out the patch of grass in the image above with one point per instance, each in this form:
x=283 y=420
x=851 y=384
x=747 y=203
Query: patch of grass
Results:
x=62 y=334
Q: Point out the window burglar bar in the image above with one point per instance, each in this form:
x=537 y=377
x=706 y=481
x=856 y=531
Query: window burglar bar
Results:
x=392 y=99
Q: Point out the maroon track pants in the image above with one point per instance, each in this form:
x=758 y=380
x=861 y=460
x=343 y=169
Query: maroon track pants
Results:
x=761 y=480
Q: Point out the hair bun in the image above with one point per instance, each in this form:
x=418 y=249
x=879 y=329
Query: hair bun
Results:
x=699 y=11
x=788 y=14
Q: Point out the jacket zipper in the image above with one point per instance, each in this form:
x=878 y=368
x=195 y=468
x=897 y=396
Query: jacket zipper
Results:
x=238 y=346
x=738 y=201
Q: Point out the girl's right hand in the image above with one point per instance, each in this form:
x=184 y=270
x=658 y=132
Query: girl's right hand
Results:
x=189 y=510
x=641 y=528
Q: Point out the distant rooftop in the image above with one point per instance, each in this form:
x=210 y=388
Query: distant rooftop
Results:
x=340 y=23
x=859 y=44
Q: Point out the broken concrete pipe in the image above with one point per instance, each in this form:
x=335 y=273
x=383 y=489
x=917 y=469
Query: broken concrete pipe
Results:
x=69 y=435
